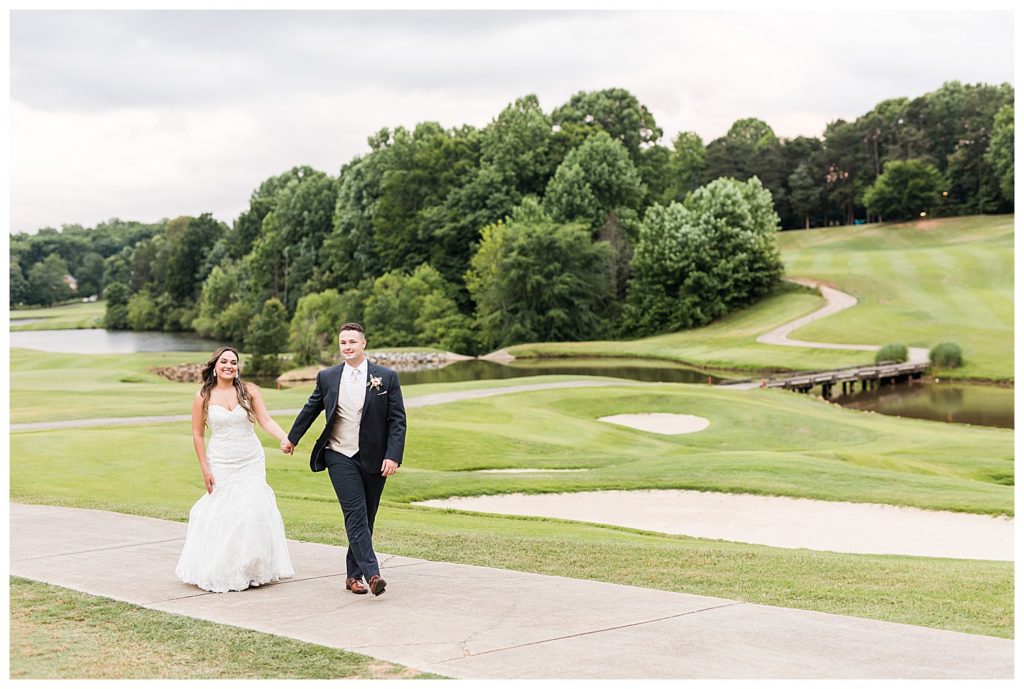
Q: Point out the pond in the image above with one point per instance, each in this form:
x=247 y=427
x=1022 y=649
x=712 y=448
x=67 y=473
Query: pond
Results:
x=631 y=369
x=984 y=405
x=99 y=341
x=981 y=405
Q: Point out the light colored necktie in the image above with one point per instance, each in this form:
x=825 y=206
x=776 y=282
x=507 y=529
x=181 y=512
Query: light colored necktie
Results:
x=353 y=386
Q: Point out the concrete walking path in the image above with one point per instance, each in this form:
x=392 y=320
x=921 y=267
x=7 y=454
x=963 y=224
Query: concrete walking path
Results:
x=477 y=622
x=836 y=301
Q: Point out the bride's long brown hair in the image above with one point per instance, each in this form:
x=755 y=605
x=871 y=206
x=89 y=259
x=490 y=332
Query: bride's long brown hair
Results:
x=210 y=380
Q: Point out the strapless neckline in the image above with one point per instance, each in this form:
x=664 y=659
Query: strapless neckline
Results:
x=225 y=408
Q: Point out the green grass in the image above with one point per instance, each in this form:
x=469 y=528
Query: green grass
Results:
x=729 y=343
x=119 y=385
x=57 y=633
x=68 y=316
x=919 y=284
x=762 y=441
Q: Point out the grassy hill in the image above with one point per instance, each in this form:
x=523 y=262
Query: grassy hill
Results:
x=917 y=283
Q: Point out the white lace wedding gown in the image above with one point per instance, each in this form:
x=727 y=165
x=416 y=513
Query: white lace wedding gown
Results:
x=235 y=534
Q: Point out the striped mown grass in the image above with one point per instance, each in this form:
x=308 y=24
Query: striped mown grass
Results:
x=919 y=284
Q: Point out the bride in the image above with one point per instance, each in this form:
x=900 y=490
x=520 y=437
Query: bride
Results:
x=235 y=532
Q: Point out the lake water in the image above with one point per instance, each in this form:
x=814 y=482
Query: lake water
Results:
x=631 y=369
x=984 y=405
x=980 y=405
x=99 y=341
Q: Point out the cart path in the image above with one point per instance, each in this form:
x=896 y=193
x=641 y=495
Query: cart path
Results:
x=836 y=301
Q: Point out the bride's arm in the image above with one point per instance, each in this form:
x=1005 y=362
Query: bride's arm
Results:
x=198 y=440
x=262 y=415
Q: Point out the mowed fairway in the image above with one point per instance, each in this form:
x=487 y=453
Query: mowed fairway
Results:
x=919 y=284
x=765 y=441
x=68 y=316
x=729 y=343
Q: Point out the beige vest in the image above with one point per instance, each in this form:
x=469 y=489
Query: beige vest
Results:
x=345 y=431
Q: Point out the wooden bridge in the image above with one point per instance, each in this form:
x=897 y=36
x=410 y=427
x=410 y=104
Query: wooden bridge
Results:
x=867 y=376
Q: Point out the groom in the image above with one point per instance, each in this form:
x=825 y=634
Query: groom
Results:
x=360 y=446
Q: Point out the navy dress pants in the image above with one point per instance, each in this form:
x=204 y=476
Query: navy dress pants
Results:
x=359 y=495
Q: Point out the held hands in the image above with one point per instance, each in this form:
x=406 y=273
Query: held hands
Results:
x=287 y=447
x=388 y=467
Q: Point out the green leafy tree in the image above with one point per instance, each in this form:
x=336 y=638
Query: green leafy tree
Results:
x=47 y=281
x=226 y=303
x=517 y=145
x=654 y=169
x=617 y=112
x=89 y=273
x=799 y=206
x=999 y=155
x=804 y=193
x=314 y=327
x=407 y=202
x=148 y=265
x=749 y=149
x=414 y=309
x=18 y=284
x=535 y=280
x=847 y=170
x=687 y=166
x=594 y=180
x=737 y=153
x=905 y=189
x=247 y=228
x=117 y=268
x=116 y=296
x=187 y=243
x=695 y=263
x=266 y=337
x=143 y=313
x=286 y=253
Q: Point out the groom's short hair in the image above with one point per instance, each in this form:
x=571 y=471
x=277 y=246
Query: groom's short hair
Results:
x=353 y=326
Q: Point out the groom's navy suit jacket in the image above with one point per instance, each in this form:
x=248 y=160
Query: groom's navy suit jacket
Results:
x=381 y=426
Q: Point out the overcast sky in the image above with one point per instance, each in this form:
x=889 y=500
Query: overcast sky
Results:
x=145 y=114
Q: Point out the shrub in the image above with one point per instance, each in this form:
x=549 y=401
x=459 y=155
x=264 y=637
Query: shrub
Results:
x=891 y=352
x=946 y=355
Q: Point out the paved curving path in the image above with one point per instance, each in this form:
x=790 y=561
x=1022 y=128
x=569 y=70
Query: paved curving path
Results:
x=424 y=401
x=836 y=301
x=483 y=623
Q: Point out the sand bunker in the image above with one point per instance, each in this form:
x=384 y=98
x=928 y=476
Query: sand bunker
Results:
x=666 y=424
x=776 y=521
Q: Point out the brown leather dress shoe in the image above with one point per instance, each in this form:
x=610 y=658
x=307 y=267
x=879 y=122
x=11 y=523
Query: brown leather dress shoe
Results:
x=377 y=585
x=354 y=585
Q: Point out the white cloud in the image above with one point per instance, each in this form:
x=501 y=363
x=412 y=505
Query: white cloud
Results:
x=144 y=115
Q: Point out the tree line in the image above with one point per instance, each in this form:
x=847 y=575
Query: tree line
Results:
x=566 y=225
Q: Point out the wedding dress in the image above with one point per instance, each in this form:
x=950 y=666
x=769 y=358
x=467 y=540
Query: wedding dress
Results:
x=235 y=534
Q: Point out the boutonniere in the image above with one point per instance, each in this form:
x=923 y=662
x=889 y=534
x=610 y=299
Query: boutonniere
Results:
x=374 y=382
